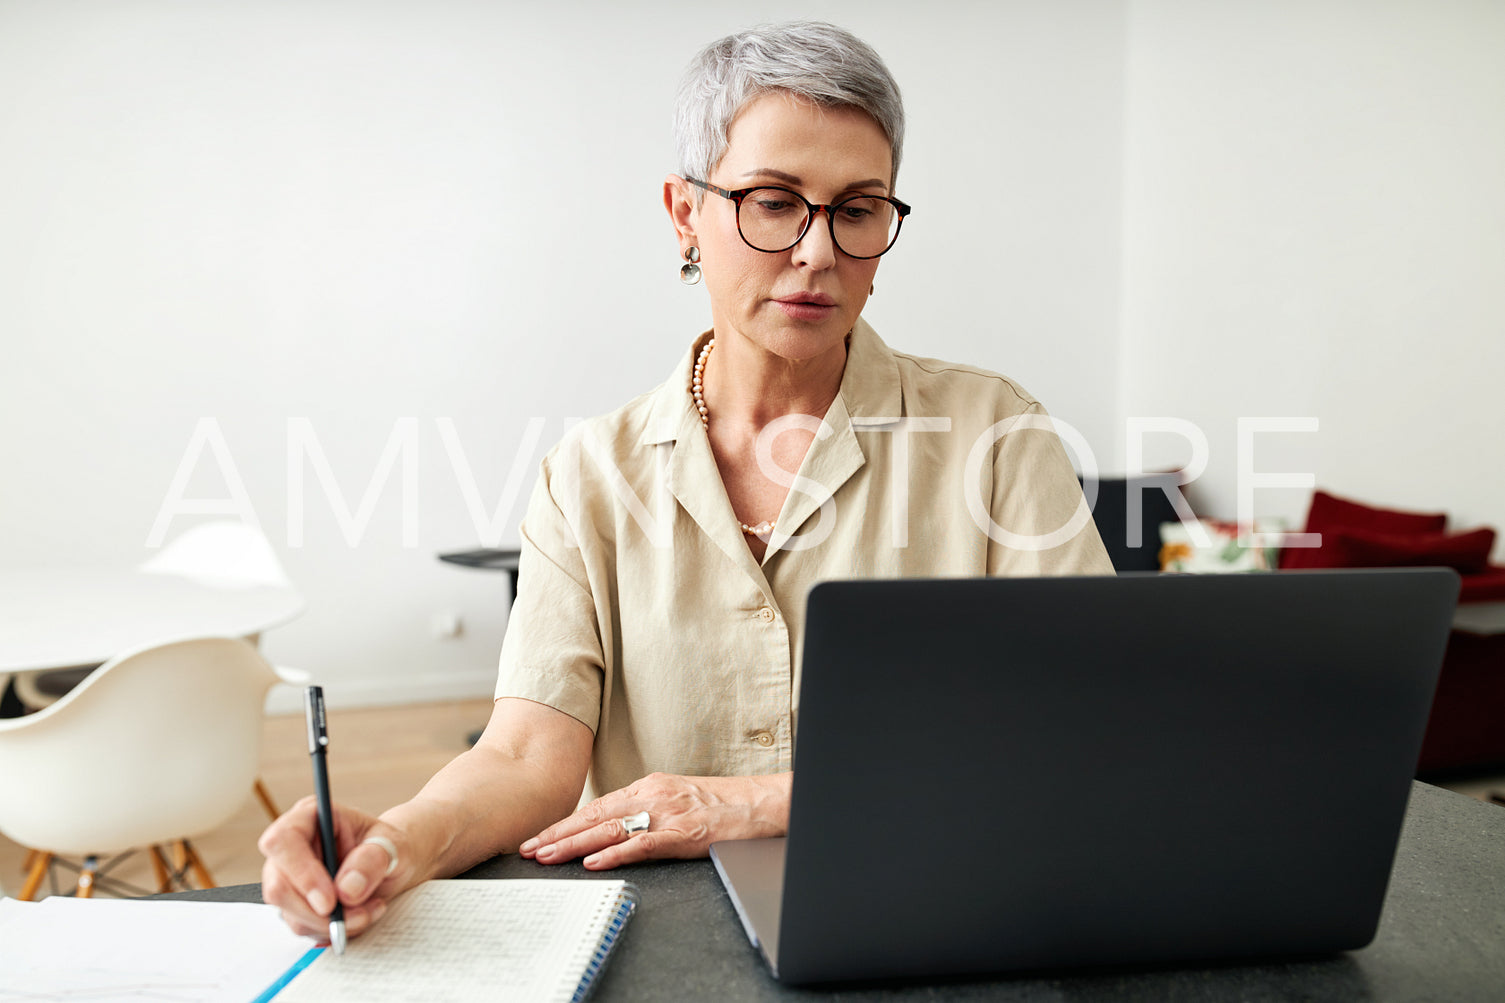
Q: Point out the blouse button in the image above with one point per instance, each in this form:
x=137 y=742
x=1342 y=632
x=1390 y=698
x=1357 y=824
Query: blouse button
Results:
x=765 y=614
x=763 y=738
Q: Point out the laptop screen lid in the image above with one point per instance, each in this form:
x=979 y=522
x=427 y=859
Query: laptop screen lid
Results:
x=997 y=774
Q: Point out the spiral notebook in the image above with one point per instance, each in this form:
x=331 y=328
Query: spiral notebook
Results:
x=517 y=939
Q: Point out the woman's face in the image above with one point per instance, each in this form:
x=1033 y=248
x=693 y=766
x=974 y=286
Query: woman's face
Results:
x=799 y=303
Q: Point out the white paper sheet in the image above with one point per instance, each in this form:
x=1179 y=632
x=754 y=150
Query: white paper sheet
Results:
x=104 y=949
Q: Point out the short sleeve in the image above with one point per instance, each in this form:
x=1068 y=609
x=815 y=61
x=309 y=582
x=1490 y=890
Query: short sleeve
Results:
x=553 y=652
x=1041 y=523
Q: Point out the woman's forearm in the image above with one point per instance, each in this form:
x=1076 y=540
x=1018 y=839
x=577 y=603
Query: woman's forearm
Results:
x=525 y=773
x=483 y=803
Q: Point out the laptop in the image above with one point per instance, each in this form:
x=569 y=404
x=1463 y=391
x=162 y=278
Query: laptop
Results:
x=1050 y=773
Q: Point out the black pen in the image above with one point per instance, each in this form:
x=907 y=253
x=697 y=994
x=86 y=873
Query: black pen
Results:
x=318 y=742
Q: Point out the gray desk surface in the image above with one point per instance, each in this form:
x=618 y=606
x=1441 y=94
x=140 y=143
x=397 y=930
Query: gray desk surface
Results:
x=1442 y=936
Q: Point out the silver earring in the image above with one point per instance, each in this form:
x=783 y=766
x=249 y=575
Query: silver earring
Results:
x=689 y=272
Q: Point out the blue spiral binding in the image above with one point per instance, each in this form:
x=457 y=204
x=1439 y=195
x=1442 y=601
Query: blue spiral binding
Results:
x=626 y=903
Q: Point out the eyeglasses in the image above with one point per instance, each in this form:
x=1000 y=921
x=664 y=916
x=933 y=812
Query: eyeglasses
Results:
x=774 y=219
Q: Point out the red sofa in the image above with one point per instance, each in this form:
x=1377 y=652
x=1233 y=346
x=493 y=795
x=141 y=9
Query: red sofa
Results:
x=1466 y=731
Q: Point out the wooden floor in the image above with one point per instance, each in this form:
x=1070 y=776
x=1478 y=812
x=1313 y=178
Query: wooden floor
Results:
x=378 y=757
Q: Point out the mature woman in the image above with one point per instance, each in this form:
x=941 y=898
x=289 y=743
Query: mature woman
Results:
x=652 y=657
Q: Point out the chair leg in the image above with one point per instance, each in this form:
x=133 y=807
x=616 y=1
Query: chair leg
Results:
x=199 y=870
x=86 y=877
x=31 y=858
x=161 y=870
x=266 y=800
x=39 y=862
x=27 y=692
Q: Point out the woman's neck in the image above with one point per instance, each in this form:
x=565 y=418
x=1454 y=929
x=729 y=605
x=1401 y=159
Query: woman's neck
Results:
x=747 y=386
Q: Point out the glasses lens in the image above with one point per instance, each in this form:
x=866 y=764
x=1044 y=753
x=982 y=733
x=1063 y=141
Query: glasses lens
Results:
x=771 y=219
x=774 y=220
x=864 y=227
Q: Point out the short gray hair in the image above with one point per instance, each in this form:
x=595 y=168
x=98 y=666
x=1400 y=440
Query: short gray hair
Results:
x=815 y=60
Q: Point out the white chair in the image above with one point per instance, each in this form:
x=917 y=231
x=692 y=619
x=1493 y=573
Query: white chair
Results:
x=153 y=748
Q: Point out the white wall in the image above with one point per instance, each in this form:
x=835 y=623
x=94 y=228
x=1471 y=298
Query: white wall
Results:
x=359 y=212
x=1314 y=225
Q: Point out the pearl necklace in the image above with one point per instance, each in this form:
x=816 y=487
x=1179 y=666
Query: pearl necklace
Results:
x=764 y=529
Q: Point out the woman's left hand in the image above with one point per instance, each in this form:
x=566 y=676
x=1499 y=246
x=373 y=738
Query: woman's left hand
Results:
x=685 y=816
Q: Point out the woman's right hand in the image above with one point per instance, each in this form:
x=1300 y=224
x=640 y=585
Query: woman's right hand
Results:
x=295 y=881
x=525 y=772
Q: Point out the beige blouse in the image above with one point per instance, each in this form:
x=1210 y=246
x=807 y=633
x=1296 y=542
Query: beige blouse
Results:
x=642 y=613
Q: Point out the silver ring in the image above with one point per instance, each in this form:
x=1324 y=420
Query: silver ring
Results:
x=633 y=824
x=385 y=844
